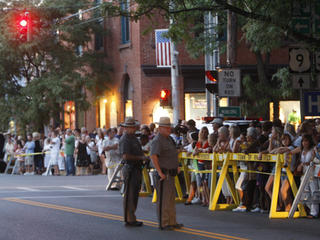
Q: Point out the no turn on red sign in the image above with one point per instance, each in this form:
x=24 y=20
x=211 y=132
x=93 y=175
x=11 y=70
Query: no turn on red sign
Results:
x=229 y=83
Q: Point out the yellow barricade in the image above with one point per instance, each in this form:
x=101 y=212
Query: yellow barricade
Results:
x=227 y=160
x=146 y=181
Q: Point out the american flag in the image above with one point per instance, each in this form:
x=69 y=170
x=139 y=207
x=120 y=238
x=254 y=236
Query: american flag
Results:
x=163 y=48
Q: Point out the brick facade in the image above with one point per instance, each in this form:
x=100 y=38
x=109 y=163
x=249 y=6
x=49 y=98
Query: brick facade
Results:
x=136 y=61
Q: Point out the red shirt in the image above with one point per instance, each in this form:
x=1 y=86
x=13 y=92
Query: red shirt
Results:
x=203 y=146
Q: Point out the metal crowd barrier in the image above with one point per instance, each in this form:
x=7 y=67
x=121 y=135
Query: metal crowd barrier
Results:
x=13 y=159
x=229 y=160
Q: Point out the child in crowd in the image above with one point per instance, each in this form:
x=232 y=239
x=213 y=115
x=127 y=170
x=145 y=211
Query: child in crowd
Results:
x=145 y=143
x=192 y=138
x=93 y=151
x=19 y=151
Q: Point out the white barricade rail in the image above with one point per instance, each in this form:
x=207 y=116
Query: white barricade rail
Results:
x=306 y=197
x=12 y=164
x=115 y=177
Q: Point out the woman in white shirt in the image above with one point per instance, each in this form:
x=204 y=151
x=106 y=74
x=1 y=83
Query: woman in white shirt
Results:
x=9 y=149
x=307 y=155
x=54 y=152
x=111 y=148
x=100 y=145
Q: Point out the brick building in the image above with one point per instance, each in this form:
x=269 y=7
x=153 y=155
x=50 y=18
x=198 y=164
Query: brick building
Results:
x=136 y=81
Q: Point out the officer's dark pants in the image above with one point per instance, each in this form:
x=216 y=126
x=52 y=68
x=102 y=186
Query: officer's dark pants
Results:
x=132 y=184
x=166 y=206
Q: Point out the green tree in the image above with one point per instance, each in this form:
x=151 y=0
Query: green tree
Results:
x=37 y=77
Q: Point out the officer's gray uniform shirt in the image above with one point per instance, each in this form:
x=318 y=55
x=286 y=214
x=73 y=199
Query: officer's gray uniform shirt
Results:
x=129 y=144
x=166 y=151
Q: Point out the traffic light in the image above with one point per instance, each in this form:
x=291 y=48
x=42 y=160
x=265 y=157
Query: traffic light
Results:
x=22 y=26
x=212 y=83
x=165 y=98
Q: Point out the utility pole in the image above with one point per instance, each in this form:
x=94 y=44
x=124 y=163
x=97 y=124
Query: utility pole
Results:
x=231 y=39
x=175 y=84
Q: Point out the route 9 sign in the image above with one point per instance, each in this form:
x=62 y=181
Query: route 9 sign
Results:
x=299 y=60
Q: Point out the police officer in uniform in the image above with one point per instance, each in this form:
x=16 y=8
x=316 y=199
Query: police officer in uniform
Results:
x=133 y=157
x=164 y=156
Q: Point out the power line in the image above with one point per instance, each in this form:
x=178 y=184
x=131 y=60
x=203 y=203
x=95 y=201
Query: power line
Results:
x=80 y=12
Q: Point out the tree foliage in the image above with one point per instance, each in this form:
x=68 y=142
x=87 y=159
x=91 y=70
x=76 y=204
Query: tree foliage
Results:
x=37 y=77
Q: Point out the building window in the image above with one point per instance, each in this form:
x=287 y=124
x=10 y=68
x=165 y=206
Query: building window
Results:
x=98 y=36
x=79 y=51
x=125 y=30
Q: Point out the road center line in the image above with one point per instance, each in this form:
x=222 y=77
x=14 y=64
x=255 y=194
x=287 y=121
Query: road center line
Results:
x=74 y=188
x=72 y=196
x=28 y=189
x=120 y=218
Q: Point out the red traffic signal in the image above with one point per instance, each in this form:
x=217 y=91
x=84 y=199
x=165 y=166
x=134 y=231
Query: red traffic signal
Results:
x=23 y=26
x=164 y=93
x=212 y=76
x=165 y=98
x=23 y=23
x=212 y=84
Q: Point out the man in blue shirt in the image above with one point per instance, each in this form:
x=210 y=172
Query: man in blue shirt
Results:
x=29 y=149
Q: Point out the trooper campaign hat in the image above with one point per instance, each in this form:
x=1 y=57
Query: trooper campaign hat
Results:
x=164 y=122
x=129 y=122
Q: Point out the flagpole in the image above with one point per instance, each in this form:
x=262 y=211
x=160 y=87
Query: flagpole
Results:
x=175 y=84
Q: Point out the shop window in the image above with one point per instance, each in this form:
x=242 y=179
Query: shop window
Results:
x=129 y=109
x=102 y=112
x=69 y=115
x=195 y=106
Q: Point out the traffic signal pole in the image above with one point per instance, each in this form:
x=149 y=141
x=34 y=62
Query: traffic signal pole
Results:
x=211 y=61
x=28 y=16
x=175 y=84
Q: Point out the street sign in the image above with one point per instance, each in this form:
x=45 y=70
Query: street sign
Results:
x=318 y=81
x=300 y=81
x=312 y=103
x=301 y=9
x=229 y=83
x=301 y=25
x=316 y=28
x=299 y=60
x=317 y=61
x=229 y=111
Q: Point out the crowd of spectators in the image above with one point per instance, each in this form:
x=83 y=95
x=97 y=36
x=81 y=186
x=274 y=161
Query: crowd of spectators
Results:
x=78 y=152
x=255 y=189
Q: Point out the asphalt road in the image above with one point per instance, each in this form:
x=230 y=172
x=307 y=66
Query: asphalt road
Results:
x=37 y=207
